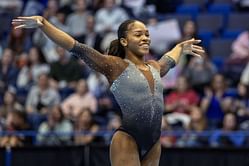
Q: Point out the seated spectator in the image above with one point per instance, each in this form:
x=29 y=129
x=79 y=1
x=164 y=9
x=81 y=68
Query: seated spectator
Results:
x=97 y=83
x=81 y=99
x=9 y=104
x=182 y=98
x=16 y=122
x=113 y=124
x=41 y=97
x=226 y=136
x=8 y=70
x=241 y=103
x=213 y=100
x=238 y=59
x=77 y=21
x=166 y=139
x=244 y=76
x=109 y=17
x=86 y=128
x=35 y=66
x=197 y=125
x=56 y=130
x=200 y=72
x=65 y=72
x=19 y=41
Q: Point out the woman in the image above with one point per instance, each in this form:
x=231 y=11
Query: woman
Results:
x=135 y=84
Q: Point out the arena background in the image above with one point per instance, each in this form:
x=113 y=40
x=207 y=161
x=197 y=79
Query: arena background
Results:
x=54 y=110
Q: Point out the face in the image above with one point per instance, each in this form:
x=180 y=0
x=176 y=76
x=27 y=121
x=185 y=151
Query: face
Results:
x=109 y=3
x=218 y=82
x=7 y=56
x=189 y=28
x=182 y=84
x=56 y=114
x=33 y=55
x=85 y=117
x=81 y=5
x=43 y=81
x=138 y=39
x=82 y=87
x=229 y=122
x=8 y=98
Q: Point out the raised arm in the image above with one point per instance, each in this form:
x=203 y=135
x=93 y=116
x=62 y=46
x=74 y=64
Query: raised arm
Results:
x=93 y=58
x=171 y=58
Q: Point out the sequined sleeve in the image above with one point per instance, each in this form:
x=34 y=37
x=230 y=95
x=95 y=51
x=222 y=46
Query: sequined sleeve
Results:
x=166 y=63
x=90 y=56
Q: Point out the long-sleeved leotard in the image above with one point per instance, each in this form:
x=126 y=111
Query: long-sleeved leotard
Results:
x=141 y=107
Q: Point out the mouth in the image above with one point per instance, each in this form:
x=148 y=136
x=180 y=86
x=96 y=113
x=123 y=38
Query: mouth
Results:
x=145 y=45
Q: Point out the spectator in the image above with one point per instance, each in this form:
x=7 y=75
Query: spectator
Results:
x=182 y=98
x=245 y=75
x=97 y=83
x=35 y=66
x=113 y=124
x=56 y=130
x=8 y=71
x=71 y=71
x=19 y=41
x=213 y=100
x=81 y=99
x=200 y=72
x=109 y=17
x=9 y=104
x=238 y=59
x=16 y=122
x=41 y=97
x=91 y=37
x=198 y=124
x=85 y=127
x=225 y=137
x=241 y=104
x=167 y=140
x=77 y=21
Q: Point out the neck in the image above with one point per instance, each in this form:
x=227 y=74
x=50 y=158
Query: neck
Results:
x=137 y=60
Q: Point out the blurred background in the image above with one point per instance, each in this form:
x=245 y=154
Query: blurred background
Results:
x=54 y=110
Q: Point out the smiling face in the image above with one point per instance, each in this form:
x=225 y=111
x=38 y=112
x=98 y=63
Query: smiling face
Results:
x=137 y=40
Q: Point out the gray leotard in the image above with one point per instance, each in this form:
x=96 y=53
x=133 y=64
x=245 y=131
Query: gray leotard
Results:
x=142 y=111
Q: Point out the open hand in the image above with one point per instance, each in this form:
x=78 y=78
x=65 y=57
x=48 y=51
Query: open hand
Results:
x=187 y=47
x=28 y=22
x=191 y=47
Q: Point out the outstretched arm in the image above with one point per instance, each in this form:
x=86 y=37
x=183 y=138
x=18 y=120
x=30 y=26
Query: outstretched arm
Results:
x=93 y=58
x=171 y=58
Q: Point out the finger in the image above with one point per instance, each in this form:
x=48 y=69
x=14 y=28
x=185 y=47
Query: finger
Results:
x=20 y=26
x=25 y=18
x=198 y=47
x=195 y=54
x=191 y=41
x=198 y=50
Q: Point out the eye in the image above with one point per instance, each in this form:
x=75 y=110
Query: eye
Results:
x=137 y=34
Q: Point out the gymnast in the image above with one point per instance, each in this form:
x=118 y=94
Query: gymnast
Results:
x=134 y=82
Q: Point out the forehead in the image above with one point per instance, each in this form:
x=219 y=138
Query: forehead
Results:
x=137 y=26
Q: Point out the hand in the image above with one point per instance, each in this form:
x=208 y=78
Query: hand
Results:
x=187 y=47
x=28 y=22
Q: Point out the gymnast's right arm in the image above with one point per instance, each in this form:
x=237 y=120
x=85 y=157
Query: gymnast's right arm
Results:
x=92 y=57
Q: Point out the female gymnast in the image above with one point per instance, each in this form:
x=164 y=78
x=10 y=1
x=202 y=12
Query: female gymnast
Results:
x=136 y=84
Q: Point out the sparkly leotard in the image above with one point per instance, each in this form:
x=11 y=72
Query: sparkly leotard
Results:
x=142 y=108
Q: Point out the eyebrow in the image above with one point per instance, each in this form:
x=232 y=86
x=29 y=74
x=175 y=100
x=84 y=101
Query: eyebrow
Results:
x=140 y=30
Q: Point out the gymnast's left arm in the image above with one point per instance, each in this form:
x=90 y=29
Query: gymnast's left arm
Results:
x=171 y=58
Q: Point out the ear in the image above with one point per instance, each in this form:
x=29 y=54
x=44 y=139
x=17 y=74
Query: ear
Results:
x=123 y=42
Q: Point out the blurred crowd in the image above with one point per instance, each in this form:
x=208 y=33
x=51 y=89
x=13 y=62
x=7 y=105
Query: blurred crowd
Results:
x=45 y=89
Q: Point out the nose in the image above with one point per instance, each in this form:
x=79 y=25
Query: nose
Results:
x=146 y=38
